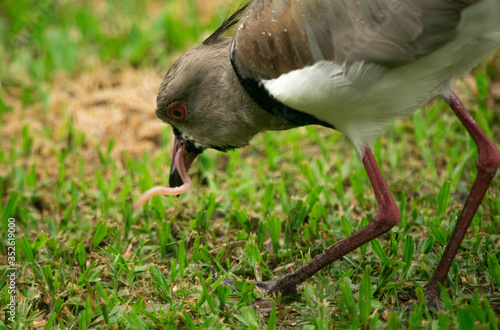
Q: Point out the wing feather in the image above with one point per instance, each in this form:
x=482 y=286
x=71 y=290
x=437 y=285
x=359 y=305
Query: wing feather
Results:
x=274 y=37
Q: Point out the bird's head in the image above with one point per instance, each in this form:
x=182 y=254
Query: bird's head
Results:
x=202 y=99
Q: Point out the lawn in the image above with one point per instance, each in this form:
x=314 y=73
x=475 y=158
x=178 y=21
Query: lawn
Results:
x=80 y=142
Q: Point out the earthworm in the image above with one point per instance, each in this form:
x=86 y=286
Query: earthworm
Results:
x=166 y=190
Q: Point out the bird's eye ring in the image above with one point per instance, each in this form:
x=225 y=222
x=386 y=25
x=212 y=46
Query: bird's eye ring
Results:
x=177 y=111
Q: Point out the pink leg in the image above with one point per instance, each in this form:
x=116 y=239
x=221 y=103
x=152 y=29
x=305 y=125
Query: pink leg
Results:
x=487 y=163
x=387 y=217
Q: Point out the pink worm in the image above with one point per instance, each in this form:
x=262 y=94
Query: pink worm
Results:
x=166 y=190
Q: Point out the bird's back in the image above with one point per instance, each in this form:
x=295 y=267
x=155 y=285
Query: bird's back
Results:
x=358 y=64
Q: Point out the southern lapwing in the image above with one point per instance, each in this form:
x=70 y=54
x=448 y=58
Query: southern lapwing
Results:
x=349 y=65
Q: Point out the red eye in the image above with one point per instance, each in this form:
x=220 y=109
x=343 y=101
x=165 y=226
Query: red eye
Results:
x=177 y=111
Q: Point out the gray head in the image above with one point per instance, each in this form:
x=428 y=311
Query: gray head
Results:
x=203 y=100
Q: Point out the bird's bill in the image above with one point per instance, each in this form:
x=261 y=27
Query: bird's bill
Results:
x=175 y=179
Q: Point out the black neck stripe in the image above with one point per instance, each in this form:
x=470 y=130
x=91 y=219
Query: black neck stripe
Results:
x=270 y=104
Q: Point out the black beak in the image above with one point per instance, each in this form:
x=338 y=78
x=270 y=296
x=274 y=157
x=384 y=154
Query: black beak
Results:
x=189 y=155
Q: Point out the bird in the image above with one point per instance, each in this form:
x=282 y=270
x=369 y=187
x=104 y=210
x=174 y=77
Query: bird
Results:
x=352 y=66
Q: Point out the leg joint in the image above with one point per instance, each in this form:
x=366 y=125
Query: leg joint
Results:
x=388 y=215
x=488 y=160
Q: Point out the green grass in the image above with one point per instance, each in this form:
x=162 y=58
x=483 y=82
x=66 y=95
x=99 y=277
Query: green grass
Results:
x=86 y=260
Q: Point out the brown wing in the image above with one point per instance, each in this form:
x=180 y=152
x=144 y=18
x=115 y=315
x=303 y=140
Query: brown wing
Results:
x=277 y=36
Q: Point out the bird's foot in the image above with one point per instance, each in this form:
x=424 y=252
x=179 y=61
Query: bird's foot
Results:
x=432 y=306
x=272 y=287
x=225 y=282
